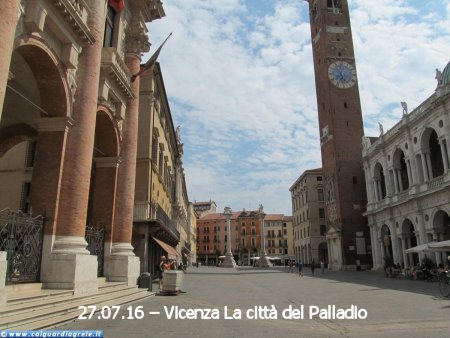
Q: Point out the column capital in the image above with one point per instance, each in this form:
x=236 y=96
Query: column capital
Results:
x=45 y=124
x=137 y=40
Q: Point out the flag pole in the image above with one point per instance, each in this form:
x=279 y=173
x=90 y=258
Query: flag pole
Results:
x=149 y=64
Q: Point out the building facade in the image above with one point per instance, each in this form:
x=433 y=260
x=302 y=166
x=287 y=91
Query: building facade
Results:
x=308 y=210
x=408 y=181
x=68 y=105
x=161 y=205
x=341 y=129
x=203 y=208
x=245 y=237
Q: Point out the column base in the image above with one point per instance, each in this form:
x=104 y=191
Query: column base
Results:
x=3 y=267
x=122 y=269
x=68 y=267
x=71 y=271
x=264 y=261
x=228 y=261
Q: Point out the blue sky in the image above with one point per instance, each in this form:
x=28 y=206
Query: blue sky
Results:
x=240 y=81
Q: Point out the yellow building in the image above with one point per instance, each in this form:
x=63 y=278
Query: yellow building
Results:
x=161 y=223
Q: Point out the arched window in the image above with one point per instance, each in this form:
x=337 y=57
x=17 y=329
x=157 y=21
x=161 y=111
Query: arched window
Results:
x=380 y=182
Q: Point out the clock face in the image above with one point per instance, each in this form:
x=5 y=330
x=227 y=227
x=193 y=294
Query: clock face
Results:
x=342 y=74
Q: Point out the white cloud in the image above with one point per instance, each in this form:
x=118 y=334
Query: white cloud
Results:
x=243 y=87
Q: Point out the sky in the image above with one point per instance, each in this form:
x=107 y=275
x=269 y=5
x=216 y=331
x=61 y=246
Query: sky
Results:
x=239 y=78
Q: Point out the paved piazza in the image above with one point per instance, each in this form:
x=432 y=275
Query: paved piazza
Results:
x=395 y=308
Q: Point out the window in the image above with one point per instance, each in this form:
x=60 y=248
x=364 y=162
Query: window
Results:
x=320 y=194
x=319 y=178
x=30 y=155
x=334 y=6
x=109 y=27
x=354 y=180
x=321 y=213
x=323 y=230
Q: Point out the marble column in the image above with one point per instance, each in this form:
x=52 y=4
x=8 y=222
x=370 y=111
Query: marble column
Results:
x=400 y=181
x=229 y=259
x=429 y=166
x=395 y=178
x=410 y=176
x=395 y=248
x=3 y=268
x=71 y=265
x=444 y=153
x=122 y=265
x=9 y=15
x=424 y=167
x=263 y=261
x=405 y=256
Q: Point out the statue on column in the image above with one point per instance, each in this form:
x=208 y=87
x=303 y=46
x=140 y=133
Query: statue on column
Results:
x=380 y=126
x=438 y=78
x=404 y=107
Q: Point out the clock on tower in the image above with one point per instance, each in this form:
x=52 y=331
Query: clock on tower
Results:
x=341 y=127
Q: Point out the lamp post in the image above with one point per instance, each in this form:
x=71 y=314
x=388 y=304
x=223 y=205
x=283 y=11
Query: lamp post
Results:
x=263 y=261
x=229 y=259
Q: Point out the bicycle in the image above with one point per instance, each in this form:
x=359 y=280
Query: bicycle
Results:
x=444 y=283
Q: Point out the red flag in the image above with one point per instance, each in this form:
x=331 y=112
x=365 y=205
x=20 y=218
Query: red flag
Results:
x=117 y=5
x=150 y=61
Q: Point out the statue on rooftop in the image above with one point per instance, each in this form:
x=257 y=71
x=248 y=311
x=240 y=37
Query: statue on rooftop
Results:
x=404 y=107
x=438 y=78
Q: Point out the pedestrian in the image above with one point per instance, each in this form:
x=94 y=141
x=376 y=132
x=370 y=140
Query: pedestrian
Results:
x=322 y=267
x=161 y=267
x=290 y=266
x=312 y=267
x=300 y=267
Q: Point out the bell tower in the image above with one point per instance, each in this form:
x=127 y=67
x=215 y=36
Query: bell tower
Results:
x=341 y=132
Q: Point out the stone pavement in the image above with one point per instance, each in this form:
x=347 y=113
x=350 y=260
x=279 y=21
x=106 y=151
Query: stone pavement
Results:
x=395 y=308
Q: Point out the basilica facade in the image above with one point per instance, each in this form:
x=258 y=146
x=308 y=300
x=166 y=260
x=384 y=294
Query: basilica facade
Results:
x=408 y=181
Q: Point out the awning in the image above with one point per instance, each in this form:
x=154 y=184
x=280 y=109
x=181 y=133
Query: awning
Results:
x=171 y=252
x=428 y=247
x=444 y=245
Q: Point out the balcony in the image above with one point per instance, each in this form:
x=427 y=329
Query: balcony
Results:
x=143 y=212
x=114 y=69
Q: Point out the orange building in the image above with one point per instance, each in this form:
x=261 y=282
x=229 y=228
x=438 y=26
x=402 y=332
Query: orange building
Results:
x=245 y=236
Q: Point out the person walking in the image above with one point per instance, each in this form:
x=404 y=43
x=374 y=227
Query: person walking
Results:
x=322 y=267
x=161 y=268
x=300 y=268
x=313 y=267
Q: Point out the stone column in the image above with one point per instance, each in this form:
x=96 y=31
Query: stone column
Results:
x=396 y=184
x=71 y=265
x=263 y=261
x=410 y=255
x=9 y=15
x=122 y=265
x=229 y=259
x=400 y=181
x=375 y=189
x=437 y=254
x=405 y=256
x=444 y=154
x=410 y=176
x=3 y=268
x=372 y=246
x=424 y=167
x=429 y=166
x=394 y=241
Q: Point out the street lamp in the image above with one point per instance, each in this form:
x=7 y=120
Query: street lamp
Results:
x=229 y=259
x=263 y=261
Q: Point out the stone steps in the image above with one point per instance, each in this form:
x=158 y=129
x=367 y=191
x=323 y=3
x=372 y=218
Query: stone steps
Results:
x=54 y=307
